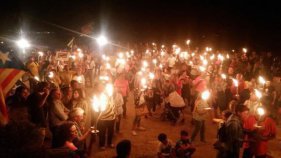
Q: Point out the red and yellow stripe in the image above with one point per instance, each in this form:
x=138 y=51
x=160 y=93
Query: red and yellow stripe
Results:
x=8 y=78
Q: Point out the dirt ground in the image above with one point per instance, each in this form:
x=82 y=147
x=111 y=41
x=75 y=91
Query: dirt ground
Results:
x=144 y=145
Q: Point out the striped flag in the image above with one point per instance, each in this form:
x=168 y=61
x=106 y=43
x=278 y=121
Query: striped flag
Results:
x=11 y=69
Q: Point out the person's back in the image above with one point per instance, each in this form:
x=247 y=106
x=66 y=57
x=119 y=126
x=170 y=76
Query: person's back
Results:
x=36 y=112
x=234 y=134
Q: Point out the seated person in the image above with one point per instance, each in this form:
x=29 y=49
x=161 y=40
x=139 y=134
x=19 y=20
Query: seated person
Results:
x=183 y=148
x=165 y=149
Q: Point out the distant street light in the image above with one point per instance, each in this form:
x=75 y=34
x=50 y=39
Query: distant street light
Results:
x=23 y=43
x=102 y=40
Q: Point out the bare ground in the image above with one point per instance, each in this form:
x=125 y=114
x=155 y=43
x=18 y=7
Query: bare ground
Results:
x=144 y=145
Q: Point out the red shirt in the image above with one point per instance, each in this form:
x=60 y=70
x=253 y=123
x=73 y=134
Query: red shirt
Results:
x=268 y=129
x=123 y=85
x=179 y=87
x=248 y=125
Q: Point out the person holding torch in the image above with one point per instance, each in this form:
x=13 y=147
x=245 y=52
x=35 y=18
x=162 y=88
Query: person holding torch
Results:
x=199 y=115
x=265 y=131
x=104 y=105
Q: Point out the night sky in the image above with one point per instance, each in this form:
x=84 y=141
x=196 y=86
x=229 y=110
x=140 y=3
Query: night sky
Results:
x=218 y=23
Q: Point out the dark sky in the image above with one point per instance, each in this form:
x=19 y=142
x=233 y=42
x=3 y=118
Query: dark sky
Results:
x=219 y=23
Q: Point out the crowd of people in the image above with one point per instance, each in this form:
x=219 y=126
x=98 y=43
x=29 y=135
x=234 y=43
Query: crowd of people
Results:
x=66 y=101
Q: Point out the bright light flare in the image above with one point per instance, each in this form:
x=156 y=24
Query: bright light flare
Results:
x=212 y=57
x=40 y=54
x=205 y=62
x=23 y=43
x=188 y=42
x=99 y=102
x=151 y=76
x=145 y=64
x=79 y=79
x=223 y=76
x=120 y=55
x=102 y=40
x=258 y=94
x=260 y=111
x=177 y=51
x=36 y=78
x=202 y=68
x=104 y=78
x=51 y=74
x=109 y=89
x=245 y=50
x=80 y=55
x=205 y=95
x=220 y=57
x=143 y=81
x=235 y=82
x=262 y=80
x=108 y=66
x=227 y=56
x=73 y=57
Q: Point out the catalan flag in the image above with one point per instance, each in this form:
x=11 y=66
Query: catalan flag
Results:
x=11 y=69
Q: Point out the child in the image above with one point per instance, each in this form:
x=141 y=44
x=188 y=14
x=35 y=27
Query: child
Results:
x=183 y=148
x=165 y=146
